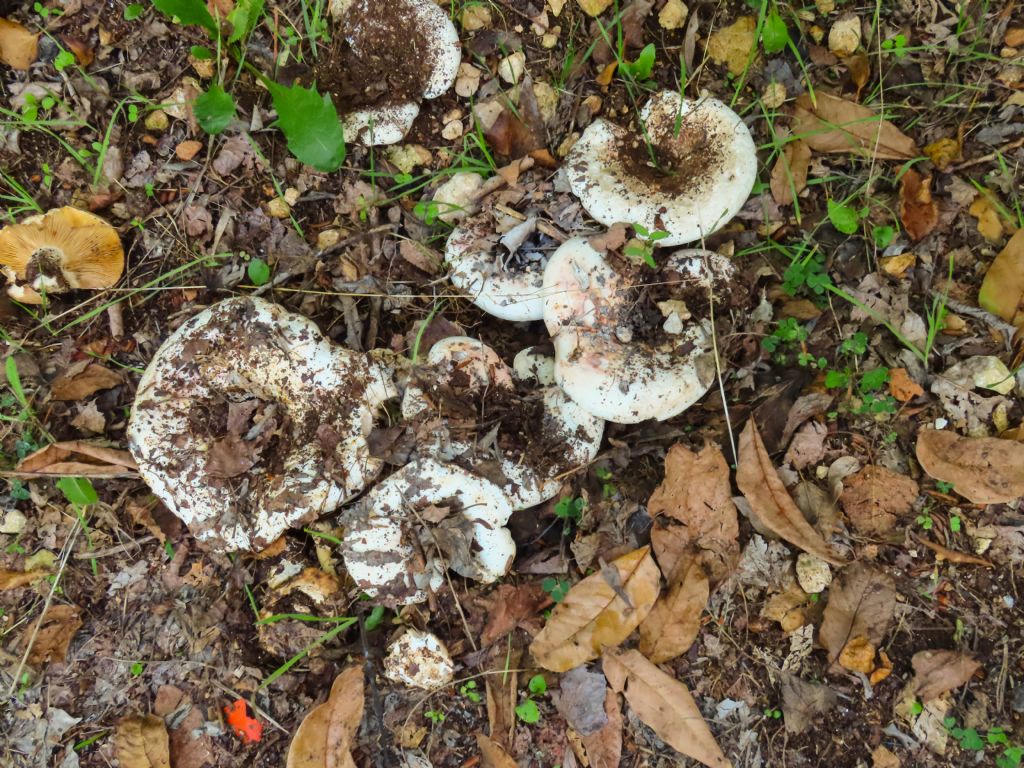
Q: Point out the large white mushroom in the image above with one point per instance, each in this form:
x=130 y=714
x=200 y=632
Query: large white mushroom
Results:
x=627 y=347
x=426 y=517
x=248 y=421
x=389 y=57
x=533 y=435
x=686 y=171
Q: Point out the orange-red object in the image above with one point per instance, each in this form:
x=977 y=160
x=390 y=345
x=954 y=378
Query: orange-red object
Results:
x=240 y=718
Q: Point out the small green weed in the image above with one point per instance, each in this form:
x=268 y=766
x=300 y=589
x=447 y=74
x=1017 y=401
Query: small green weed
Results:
x=435 y=716
x=469 y=690
x=645 y=250
x=528 y=711
x=557 y=589
x=970 y=740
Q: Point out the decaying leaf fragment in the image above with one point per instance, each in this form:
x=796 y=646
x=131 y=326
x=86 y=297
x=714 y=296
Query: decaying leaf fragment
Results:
x=141 y=741
x=918 y=210
x=672 y=625
x=876 y=498
x=861 y=604
x=1002 y=290
x=324 y=738
x=82 y=380
x=936 y=672
x=57 y=628
x=665 y=705
x=18 y=46
x=789 y=176
x=803 y=702
x=593 y=616
x=492 y=754
x=769 y=500
x=77 y=458
x=831 y=124
x=14 y=579
x=604 y=746
x=984 y=470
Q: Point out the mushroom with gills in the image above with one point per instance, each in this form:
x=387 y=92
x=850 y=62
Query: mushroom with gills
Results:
x=247 y=421
x=626 y=346
x=538 y=433
x=393 y=534
x=62 y=250
x=385 y=59
x=686 y=173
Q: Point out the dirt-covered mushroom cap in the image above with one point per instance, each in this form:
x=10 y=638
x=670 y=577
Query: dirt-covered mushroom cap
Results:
x=703 y=167
x=536 y=365
x=420 y=660
x=452 y=509
x=248 y=421
x=611 y=358
x=64 y=249
x=386 y=58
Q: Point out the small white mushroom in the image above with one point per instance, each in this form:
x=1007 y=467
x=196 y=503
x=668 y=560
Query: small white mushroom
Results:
x=690 y=180
x=248 y=421
x=602 y=361
x=427 y=517
x=420 y=660
x=533 y=364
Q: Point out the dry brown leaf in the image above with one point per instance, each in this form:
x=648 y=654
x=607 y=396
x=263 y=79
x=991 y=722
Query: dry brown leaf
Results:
x=503 y=694
x=943 y=553
x=191 y=745
x=78 y=458
x=511 y=606
x=604 y=746
x=18 y=46
x=141 y=742
x=918 y=210
x=697 y=493
x=876 y=498
x=665 y=705
x=769 y=501
x=15 y=579
x=324 y=738
x=861 y=603
x=593 y=616
x=492 y=754
x=902 y=387
x=672 y=625
x=804 y=703
x=831 y=124
x=419 y=255
x=990 y=222
x=984 y=470
x=789 y=176
x=882 y=757
x=936 y=672
x=57 y=628
x=1002 y=290
x=80 y=381
x=732 y=45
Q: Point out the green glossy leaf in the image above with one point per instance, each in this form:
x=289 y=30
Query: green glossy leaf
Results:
x=310 y=123
x=528 y=712
x=843 y=217
x=243 y=18
x=643 y=66
x=78 y=490
x=188 y=12
x=214 y=109
x=538 y=685
x=774 y=33
x=259 y=272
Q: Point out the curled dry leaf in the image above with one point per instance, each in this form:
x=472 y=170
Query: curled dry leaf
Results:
x=1002 y=290
x=665 y=705
x=984 y=470
x=672 y=625
x=918 y=211
x=789 y=176
x=77 y=458
x=861 y=604
x=876 y=498
x=324 y=738
x=57 y=628
x=141 y=742
x=593 y=616
x=936 y=672
x=769 y=500
x=830 y=124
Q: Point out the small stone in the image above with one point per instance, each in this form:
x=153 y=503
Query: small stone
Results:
x=157 y=121
x=278 y=208
x=452 y=130
x=476 y=17
x=188 y=149
x=550 y=39
x=674 y=308
x=593 y=7
x=774 y=95
x=511 y=68
x=547 y=100
x=328 y=238
x=673 y=14
x=844 y=37
x=467 y=81
x=291 y=195
x=456 y=195
x=406 y=157
x=567 y=144
x=825 y=7
x=812 y=573
x=419 y=660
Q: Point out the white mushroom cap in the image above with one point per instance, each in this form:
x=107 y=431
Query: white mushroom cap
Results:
x=378 y=552
x=478 y=269
x=377 y=126
x=420 y=660
x=712 y=162
x=319 y=398
x=580 y=287
x=471 y=358
x=532 y=364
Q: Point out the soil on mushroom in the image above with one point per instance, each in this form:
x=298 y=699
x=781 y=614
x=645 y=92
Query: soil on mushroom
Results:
x=379 y=57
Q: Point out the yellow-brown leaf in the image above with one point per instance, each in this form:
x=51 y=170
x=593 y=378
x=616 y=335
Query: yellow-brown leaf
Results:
x=324 y=738
x=830 y=124
x=671 y=627
x=141 y=742
x=984 y=470
x=1002 y=290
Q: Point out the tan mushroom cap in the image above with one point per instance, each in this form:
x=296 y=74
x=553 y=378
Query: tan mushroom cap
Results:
x=62 y=250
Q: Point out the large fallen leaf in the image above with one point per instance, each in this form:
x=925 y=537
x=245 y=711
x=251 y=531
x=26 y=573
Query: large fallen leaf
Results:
x=830 y=124
x=769 y=501
x=789 y=176
x=141 y=742
x=57 y=627
x=594 y=616
x=324 y=738
x=672 y=625
x=804 y=703
x=861 y=604
x=876 y=498
x=984 y=470
x=1002 y=290
x=665 y=705
x=77 y=458
x=918 y=210
x=604 y=746
x=18 y=46
x=936 y=672
x=697 y=493
x=83 y=379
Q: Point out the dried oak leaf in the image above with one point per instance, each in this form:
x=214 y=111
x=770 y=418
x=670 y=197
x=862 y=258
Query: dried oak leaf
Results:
x=141 y=742
x=57 y=628
x=82 y=380
x=936 y=672
x=918 y=210
x=78 y=458
x=830 y=124
x=769 y=501
x=324 y=738
x=876 y=498
x=672 y=625
x=984 y=470
x=789 y=176
x=861 y=603
x=696 y=492
x=804 y=703
x=1002 y=290
x=593 y=616
x=665 y=705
